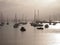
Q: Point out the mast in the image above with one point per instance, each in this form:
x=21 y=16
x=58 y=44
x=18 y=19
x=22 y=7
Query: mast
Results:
x=7 y=19
x=38 y=15
x=23 y=17
x=1 y=18
x=34 y=15
x=15 y=19
x=50 y=20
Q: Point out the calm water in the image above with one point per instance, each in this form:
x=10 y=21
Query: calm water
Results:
x=32 y=36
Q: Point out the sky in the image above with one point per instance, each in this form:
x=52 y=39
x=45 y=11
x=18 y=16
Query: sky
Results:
x=47 y=8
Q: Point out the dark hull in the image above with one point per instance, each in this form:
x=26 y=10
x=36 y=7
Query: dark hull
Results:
x=46 y=26
x=40 y=28
x=22 y=29
x=2 y=24
x=7 y=23
x=36 y=24
x=16 y=25
x=23 y=23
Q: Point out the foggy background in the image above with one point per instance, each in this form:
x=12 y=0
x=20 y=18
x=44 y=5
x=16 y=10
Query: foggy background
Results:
x=47 y=8
x=32 y=36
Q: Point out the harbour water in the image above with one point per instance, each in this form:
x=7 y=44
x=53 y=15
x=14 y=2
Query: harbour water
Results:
x=32 y=36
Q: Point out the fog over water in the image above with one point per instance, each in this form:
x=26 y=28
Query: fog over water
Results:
x=46 y=7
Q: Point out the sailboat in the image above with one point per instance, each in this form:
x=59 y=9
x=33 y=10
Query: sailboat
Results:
x=23 y=21
x=54 y=20
x=33 y=23
x=16 y=25
x=7 y=21
x=36 y=23
x=50 y=21
x=1 y=20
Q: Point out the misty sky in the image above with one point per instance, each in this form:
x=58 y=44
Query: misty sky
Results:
x=26 y=7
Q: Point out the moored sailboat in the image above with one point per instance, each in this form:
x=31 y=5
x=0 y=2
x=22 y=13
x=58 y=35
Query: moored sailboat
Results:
x=23 y=21
x=1 y=20
x=16 y=25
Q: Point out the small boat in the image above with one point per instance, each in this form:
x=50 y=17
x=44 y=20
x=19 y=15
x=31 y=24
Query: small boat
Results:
x=7 y=23
x=46 y=26
x=36 y=24
x=22 y=29
x=40 y=28
x=33 y=24
x=23 y=23
x=54 y=23
x=1 y=24
x=16 y=25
